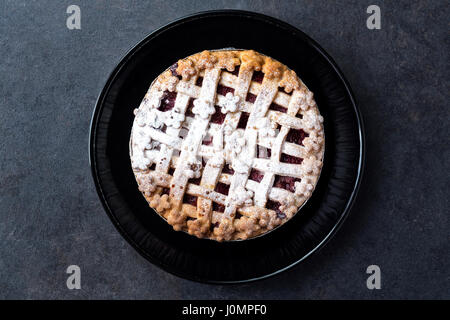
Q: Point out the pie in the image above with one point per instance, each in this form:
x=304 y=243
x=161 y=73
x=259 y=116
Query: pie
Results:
x=227 y=144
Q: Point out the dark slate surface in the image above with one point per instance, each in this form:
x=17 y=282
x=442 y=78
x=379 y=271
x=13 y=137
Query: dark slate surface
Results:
x=50 y=216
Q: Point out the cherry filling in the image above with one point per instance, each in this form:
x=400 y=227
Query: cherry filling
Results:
x=273 y=205
x=222 y=188
x=199 y=81
x=173 y=70
x=258 y=76
x=290 y=159
x=208 y=141
x=296 y=136
x=213 y=225
x=256 y=175
x=281 y=89
x=218 y=207
x=223 y=90
x=227 y=169
x=277 y=107
x=165 y=191
x=250 y=97
x=287 y=183
x=192 y=200
x=263 y=153
x=167 y=101
x=195 y=181
x=189 y=112
x=243 y=120
x=235 y=71
x=218 y=117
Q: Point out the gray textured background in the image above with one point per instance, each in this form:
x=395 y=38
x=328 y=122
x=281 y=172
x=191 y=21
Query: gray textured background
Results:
x=50 y=216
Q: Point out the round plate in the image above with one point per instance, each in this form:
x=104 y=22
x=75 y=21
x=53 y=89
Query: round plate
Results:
x=237 y=261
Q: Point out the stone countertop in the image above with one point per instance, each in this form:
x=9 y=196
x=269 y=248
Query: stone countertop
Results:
x=51 y=217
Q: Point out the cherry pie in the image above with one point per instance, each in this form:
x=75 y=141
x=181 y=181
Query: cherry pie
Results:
x=227 y=144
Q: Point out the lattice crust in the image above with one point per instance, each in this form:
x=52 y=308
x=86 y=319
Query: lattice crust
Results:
x=227 y=144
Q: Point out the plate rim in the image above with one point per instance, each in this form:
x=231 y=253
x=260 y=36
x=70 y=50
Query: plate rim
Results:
x=230 y=12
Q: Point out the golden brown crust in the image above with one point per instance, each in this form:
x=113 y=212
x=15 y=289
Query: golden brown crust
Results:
x=248 y=59
x=202 y=221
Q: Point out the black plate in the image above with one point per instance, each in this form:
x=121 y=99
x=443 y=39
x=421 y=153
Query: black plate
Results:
x=206 y=260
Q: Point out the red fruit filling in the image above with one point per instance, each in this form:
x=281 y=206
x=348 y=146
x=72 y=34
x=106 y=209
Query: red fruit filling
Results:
x=296 y=136
x=263 y=153
x=243 y=120
x=218 y=117
x=190 y=199
x=223 y=90
x=256 y=175
x=290 y=159
x=273 y=205
x=227 y=169
x=235 y=71
x=258 y=76
x=189 y=112
x=167 y=101
x=277 y=107
x=250 y=97
x=199 y=81
x=173 y=70
x=195 y=181
x=281 y=89
x=222 y=188
x=218 y=207
x=287 y=183
x=208 y=141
